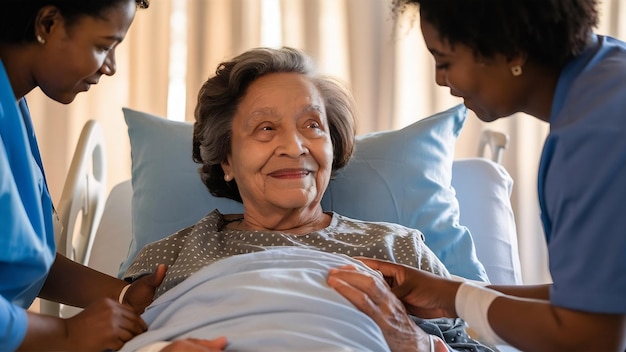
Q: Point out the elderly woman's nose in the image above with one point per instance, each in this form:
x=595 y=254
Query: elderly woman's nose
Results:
x=291 y=143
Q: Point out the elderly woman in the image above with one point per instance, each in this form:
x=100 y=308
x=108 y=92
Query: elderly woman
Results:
x=270 y=133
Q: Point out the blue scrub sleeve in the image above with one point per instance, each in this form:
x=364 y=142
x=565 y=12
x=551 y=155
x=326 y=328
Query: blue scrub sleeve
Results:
x=26 y=235
x=13 y=325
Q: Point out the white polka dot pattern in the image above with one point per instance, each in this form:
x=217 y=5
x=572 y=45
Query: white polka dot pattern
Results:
x=192 y=248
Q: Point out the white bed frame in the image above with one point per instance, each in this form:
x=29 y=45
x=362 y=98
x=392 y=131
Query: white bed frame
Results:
x=82 y=201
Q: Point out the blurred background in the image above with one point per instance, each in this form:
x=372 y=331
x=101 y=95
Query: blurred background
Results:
x=174 y=45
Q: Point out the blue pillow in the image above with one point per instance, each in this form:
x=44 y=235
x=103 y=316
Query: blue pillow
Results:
x=400 y=176
x=404 y=176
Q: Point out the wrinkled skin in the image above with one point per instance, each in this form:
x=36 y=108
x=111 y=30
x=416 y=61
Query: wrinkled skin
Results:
x=372 y=295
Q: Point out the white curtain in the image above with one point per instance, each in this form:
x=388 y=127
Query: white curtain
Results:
x=386 y=66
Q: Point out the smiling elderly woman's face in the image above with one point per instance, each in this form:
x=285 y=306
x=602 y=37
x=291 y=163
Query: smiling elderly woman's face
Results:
x=282 y=152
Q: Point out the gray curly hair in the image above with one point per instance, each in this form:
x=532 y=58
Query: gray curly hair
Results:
x=220 y=95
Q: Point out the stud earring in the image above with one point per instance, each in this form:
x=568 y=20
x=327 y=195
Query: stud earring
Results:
x=227 y=178
x=516 y=70
x=40 y=39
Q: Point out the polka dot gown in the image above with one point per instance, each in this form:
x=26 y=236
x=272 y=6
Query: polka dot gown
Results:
x=192 y=248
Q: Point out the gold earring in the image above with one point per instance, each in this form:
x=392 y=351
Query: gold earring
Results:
x=40 y=39
x=516 y=70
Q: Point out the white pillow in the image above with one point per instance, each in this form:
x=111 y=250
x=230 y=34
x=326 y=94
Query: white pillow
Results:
x=402 y=176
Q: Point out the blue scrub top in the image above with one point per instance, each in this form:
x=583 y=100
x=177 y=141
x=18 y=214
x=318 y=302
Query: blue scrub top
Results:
x=27 y=247
x=582 y=181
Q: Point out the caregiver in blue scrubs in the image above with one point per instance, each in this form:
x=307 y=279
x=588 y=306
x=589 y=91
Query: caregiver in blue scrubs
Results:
x=540 y=57
x=62 y=47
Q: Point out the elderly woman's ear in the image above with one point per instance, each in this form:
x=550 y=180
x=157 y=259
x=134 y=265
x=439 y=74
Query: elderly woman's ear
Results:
x=228 y=175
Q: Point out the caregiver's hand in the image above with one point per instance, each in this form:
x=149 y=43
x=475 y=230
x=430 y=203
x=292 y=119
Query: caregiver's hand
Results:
x=424 y=294
x=371 y=294
x=197 y=345
x=141 y=292
x=104 y=325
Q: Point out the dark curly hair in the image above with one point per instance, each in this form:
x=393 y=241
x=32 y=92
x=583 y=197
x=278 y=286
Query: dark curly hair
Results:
x=17 y=17
x=550 y=32
x=220 y=94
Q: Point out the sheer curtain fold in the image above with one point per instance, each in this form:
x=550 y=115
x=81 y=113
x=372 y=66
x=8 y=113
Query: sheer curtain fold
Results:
x=371 y=50
x=217 y=30
x=149 y=54
x=386 y=66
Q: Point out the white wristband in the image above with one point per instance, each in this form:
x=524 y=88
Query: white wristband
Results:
x=472 y=305
x=123 y=293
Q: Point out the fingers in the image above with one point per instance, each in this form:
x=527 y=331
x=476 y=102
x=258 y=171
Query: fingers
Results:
x=401 y=291
x=138 y=325
x=370 y=294
x=388 y=269
x=438 y=345
x=160 y=274
x=103 y=325
x=141 y=292
x=363 y=289
x=157 y=277
x=154 y=279
x=389 y=272
x=129 y=325
x=218 y=343
x=126 y=322
x=197 y=345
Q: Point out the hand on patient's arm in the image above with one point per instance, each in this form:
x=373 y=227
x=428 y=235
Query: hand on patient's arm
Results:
x=105 y=325
x=526 y=323
x=370 y=294
x=141 y=292
x=424 y=294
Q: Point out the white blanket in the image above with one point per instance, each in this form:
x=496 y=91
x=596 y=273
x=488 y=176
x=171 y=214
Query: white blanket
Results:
x=275 y=300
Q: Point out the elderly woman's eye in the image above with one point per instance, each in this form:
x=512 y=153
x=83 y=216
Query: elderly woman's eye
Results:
x=314 y=124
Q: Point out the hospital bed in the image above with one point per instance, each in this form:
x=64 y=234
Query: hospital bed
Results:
x=480 y=188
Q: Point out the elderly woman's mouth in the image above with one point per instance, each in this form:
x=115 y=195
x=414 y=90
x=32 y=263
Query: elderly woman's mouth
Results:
x=290 y=173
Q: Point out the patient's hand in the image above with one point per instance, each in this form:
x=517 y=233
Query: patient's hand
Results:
x=141 y=293
x=371 y=294
x=197 y=345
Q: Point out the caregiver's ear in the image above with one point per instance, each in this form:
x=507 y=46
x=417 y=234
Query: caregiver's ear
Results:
x=47 y=17
x=517 y=59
